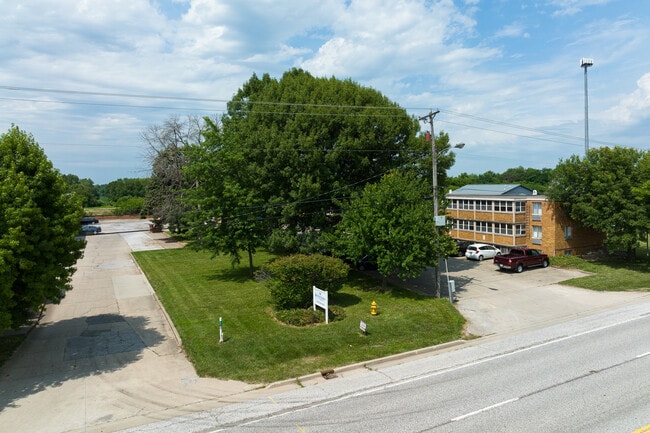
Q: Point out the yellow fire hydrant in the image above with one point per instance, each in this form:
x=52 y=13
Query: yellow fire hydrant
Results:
x=373 y=308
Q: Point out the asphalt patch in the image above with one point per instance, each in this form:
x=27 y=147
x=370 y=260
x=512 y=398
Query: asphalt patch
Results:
x=106 y=334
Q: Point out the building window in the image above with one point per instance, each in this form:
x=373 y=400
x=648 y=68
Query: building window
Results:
x=568 y=233
x=467 y=204
x=520 y=230
x=537 y=235
x=502 y=229
x=520 y=206
x=537 y=211
x=484 y=227
x=464 y=225
x=484 y=205
x=503 y=206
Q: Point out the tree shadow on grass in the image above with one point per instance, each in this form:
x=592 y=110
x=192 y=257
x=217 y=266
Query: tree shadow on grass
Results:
x=54 y=353
x=372 y=281
x=344 y=299
x=236 y=275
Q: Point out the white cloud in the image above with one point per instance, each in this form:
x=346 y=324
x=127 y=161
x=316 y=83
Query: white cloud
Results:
x=573 y=7
x=446 y=54
x=634 y=107
x=513 y=30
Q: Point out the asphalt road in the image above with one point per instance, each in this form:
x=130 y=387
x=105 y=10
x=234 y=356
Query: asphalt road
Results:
x=590 y=375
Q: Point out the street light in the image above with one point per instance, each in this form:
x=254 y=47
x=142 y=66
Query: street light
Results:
x=585 y=63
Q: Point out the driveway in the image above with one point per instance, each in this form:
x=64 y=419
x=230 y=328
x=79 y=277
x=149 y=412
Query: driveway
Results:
x=107 y=357
x=497 y=302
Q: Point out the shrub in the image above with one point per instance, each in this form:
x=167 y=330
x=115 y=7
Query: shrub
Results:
x=309 y=316
x=129 y=205
x=291 y=278
x=300 y=316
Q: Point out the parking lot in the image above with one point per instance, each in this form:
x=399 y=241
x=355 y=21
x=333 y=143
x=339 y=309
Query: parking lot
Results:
x=498 y=302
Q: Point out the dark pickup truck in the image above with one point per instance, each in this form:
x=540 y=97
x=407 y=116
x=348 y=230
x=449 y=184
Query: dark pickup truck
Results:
x=520 y=258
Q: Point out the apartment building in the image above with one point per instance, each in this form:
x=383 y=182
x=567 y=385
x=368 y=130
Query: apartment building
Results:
x=511 y=215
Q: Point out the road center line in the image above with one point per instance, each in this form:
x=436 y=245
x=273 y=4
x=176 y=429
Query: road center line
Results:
x=485 y=409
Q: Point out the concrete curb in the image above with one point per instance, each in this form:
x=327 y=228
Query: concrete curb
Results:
x=369 y=365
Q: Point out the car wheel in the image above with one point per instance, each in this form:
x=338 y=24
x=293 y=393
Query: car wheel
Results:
x=480 y=258
x=545 y=263
x=520 y=268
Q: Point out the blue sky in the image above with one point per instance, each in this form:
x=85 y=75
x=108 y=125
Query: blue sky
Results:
x=505 y=75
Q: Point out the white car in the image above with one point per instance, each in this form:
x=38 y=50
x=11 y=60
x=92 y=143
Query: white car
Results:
x=481 y=251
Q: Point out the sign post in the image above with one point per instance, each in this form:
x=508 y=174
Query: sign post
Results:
x=320 y=299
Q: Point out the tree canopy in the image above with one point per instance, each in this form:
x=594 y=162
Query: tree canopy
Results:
x=38 y=225
x=392 y=222
x=605 y=191
x=287 y=150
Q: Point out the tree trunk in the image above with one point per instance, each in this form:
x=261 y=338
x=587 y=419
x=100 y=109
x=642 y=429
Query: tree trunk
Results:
x=250 y=262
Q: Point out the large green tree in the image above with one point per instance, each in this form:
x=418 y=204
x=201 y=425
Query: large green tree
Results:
x=286 y=149
x=38 y=225
x=392 y=222
x=602 y=192
x=227 y=213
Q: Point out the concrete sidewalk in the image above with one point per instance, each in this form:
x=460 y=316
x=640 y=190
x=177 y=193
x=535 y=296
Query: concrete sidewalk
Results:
x=107 y=357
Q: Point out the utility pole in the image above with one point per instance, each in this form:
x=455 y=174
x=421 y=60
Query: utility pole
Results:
x=434 y=170
x=585 y=63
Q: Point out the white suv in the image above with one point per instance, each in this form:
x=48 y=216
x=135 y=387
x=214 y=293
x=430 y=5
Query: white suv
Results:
x=481 y=251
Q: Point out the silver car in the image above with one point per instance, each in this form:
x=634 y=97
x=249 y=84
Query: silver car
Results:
x=481 y=251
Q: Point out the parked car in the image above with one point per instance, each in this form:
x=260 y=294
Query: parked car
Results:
x=481 y=251
x=521 y=258
x=90 y=230
x=89 y=220
x=462 y=247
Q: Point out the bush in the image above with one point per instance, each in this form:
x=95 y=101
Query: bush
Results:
x=291 y=278
x=300 y=316
x=309 y=316
x=129 y=205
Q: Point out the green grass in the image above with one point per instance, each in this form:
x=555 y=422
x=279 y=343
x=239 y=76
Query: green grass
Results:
x=196 y=290
x=609 y=274
x=100 y=211
x=8 y=345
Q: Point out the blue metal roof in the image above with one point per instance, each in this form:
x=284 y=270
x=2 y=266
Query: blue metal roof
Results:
x=492 y=190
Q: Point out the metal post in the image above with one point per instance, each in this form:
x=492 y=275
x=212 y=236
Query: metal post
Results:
x=585 y=63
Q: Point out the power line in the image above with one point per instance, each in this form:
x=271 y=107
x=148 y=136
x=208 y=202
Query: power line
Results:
x=287 y=104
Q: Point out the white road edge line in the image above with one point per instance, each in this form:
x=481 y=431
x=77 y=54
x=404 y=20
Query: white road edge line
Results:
x=485 y=409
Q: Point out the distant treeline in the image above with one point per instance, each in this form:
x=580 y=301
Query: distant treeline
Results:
x=127 y=195
x=131 y=193
x=536 y=179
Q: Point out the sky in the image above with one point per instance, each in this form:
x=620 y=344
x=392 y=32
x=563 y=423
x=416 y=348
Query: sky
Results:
x=87 y=77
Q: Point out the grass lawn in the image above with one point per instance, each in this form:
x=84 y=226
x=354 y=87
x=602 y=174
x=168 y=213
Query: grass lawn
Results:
x=196 y=290
x=609 y=274
x=8 y=344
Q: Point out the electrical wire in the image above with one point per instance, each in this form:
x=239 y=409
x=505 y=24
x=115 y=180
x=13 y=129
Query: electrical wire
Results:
x=287 y=104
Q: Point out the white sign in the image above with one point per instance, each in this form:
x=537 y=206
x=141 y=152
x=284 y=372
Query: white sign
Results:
x=362 y=326
x=320 y=299
x=441 y=220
